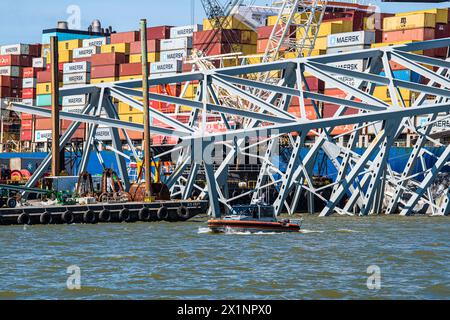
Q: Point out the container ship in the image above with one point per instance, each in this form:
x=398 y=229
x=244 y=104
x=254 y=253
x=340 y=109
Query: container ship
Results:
x=101 y=55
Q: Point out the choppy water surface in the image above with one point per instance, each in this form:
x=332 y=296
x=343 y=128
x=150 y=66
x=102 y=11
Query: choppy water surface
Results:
x=329 y=260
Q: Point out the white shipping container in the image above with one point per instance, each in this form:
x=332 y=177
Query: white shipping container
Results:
x=85 y=52
x=103 y=134
x=166 y=67
x=441 y=125
x=346 y=49
x=76 y=78
x=28 y=102
x=15 y=49
x=29 y=83
x=351 y=39
x=174 y=55
x=76 y=100
x=352 y=65
x=39 y=63
x=77 y=67
x=176 y=44
x=159 y=75
x=73 y=109
x=10 y=71
x=97 y=42
x=185 y=31
x=42 y=135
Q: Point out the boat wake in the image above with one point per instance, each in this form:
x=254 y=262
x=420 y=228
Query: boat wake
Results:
x=204 y=230
x=305 y=231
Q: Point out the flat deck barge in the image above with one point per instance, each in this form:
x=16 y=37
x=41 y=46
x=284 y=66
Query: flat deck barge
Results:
x=171 y=211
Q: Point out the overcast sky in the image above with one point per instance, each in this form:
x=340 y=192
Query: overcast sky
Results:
x=24 y=20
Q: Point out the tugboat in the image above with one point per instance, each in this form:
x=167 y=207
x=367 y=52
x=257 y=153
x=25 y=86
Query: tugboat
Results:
x=253 y=219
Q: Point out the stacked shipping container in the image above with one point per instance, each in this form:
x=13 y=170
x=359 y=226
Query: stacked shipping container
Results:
x=118 y=57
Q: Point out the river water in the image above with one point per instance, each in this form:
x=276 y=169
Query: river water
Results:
x=328 y=260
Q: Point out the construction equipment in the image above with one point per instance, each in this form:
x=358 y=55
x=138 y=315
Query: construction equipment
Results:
x=112 y=188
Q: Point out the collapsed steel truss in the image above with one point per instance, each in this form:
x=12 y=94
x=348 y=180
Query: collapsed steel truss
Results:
x=366 y=182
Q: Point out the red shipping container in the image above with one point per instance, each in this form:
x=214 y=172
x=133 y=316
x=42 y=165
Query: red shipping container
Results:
x=421 y=34
x=441 y=53
x=7 y=92
x=30 y=72
x=60 y=66
x=88 y=59
x=46 y=76
x=329 y=110
x=15 y=60
x=27 y=125
x=217 y=36
x=158 y=33
x=65 y=124
x=29 y=93
x=130 y=69
x=26 y=135
x=26 y=116
x=35 y=50
x=261 y=46
x=133 y=135
x=125 y=37
x=43 y=124
x=187 y=67
x=315 y=84
x=442 y=30
x=266 y=31
x=152 y=46
x=310 y=112
x=104 y=71
x=214 y=49
x=105 y=59
x=11 y=82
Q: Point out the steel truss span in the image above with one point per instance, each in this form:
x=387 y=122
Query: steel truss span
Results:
x=366 y=183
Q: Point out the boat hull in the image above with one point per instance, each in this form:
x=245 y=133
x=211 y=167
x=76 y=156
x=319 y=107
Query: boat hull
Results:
x=222 y=226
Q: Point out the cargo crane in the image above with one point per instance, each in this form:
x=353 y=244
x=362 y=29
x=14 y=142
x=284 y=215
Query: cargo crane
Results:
x=216 y=14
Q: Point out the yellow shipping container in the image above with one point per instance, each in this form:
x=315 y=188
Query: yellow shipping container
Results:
x=249 y=37
x=103 y=80
x=134 y=118
x=226 y=23
x=44 y=88
x=117 y=47
x=382 y=93
x=253 y=60
x=70 y=44
x=191 y=91
x=152 y=57
x=125 y=109
x=184 y=109
x=414 y=21
x=248 y=49
x=321 y=43
x=328 y=28
x=125 y=78
x=390 y=44
x=299 y=18
x=441 y=14
x=64 y=56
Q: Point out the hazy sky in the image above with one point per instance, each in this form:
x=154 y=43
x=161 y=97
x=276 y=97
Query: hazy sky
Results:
x=23 y=20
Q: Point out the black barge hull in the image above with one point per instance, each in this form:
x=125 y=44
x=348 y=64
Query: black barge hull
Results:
x=172 y=211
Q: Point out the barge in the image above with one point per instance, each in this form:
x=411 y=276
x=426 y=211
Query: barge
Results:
x=171 y=211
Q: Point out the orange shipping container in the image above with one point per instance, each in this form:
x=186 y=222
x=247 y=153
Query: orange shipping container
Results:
x=133 y=135
x=421 y=34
